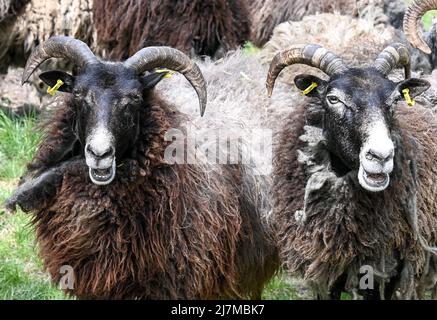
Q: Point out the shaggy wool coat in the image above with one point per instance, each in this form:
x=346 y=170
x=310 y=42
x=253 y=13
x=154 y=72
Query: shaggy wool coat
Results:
x=158 y=231
x=329 y=226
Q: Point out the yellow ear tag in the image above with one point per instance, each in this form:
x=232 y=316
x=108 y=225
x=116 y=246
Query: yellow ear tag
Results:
x=51 y=91
x=309 y=89
x=169 y=73
x=407 y=97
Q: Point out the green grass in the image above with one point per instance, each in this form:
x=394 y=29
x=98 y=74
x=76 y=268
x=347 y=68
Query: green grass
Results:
x=18 y=141
x=427 y=19
x=21 y=275
x=249 y=48
x=283 y=287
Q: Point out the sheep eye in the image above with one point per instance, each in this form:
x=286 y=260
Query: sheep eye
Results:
x=333 y=99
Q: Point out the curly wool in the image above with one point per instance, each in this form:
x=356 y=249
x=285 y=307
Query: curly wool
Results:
x=355 y=40
x=266 y=15
x=159 y=231
x=40 y=20
x=11 y=8
x=194 y=27
x=328 y=226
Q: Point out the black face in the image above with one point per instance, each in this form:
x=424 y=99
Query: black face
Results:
x=359 y=105
x=107 y=98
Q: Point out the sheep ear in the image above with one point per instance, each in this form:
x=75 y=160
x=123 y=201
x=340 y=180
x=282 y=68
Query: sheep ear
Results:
x=416 y=87
x=50 y=78
x=310 y=85
x=153 y=78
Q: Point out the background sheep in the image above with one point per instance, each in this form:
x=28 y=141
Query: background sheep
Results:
x=195 y=27
x=267 y=14
x=329 y=225
x=145 y=228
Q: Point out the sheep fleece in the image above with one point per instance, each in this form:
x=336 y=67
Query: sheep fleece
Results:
x=158 y=231
x=347 y=227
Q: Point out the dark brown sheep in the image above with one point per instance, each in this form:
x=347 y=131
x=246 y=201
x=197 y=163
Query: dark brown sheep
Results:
x=194 y=27
x=155 y=230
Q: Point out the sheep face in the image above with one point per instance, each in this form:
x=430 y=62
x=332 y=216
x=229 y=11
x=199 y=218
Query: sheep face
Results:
x=359 y=109
x=106 y=99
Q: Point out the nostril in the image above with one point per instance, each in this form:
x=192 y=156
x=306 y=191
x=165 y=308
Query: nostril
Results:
x=89 y=150
x=108 y=153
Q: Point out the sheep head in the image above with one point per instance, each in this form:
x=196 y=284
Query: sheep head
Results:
x=358 y=104
x=107 y=96
x=411 y=20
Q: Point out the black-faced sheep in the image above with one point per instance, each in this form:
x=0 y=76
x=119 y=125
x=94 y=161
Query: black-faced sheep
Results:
x=107 y=203
x=354 y=177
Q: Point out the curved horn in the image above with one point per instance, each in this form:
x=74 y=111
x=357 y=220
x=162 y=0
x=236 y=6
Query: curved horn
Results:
x=312 y=55
x=411 y=20
x=393 y=56
x=154 y=57
x=58 y=47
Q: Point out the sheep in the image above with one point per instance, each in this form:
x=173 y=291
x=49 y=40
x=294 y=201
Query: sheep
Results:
x=203 y=27
x=106 y=202
x=353 y=178
x=266 y=15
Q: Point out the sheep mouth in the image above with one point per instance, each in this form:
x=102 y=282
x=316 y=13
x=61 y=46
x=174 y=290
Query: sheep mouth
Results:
x=374 y=182
x=102 y=176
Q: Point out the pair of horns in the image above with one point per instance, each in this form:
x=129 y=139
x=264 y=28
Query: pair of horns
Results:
x=411 y=20
x=144 y=60
x=318 y=57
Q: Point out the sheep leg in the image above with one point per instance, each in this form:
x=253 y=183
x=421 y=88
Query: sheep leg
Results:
x=34 y=193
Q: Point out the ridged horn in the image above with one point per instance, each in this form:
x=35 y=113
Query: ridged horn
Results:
x=153 y=57
x=394 y=55
x=411 y=20
x=311 y=54
x=59 y=47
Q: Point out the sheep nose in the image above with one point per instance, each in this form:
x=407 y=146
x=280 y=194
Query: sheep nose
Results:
x=100 y=153
x=381 y=155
